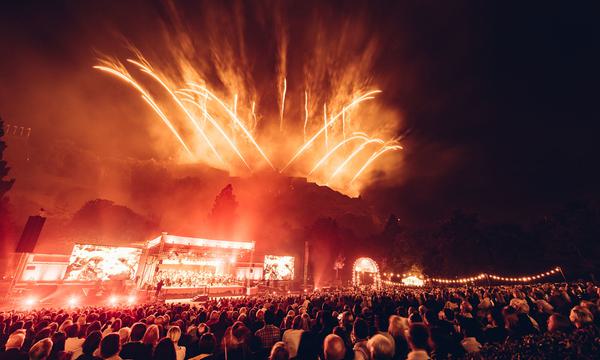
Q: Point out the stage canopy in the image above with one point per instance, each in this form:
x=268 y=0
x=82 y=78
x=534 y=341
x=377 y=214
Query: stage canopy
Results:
x=200 y=242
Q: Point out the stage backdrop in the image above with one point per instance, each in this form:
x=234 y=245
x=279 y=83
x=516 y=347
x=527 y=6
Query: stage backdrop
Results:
x=95 y=262
x=279 y=267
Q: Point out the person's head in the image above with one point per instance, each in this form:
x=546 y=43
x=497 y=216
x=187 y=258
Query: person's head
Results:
x=137 y=331
x=415 y=318
x=72 y=331
x=580 y=316
x=558 y=322
x=152 y=335
x=397 y=326
x=124 y=333
x=381 y=347
x=174 y=334
x=116 y=325
x=165 y=350
x=297 y=323
x=40 y=350
x=333 y=347
x=207 y=343
x=418 y=336
x=269 y=317
x=279 y=352
x=110 y=345
x=91 y=342
x=15 y=341
x=360 y=329
x=466 y=307
x=430 y=317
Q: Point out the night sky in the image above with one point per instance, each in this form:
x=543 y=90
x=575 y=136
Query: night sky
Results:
x=499 y=99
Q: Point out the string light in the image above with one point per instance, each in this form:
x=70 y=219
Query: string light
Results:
x=498 y=278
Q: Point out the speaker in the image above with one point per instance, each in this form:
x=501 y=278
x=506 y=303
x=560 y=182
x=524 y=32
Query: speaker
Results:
x=30 y=234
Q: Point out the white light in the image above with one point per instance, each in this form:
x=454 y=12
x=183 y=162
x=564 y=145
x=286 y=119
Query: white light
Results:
x=73 y=301
x=131 y=299
x=30 y=301
x=113 y=300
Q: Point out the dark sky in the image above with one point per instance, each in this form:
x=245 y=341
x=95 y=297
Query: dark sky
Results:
x=499 y=99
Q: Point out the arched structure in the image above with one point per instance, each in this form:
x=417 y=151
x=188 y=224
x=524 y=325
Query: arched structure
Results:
x=365 y=265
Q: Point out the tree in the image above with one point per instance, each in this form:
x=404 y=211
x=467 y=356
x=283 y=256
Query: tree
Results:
x=222 y=217
x=5 y=184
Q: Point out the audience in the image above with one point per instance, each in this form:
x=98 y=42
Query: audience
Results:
x=524 y=321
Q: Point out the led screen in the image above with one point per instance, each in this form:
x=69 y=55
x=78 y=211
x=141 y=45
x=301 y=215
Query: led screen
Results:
x=279 y=267
x=94 y=262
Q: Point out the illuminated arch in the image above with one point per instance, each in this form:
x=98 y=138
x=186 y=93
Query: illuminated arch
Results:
x=365 y=265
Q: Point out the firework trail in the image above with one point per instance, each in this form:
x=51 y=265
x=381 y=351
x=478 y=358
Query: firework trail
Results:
x=305 y=114
x=352 y=155
x=361 y=136
x=121 y=73
x=366 y=96
x=374 y=157
x=282 y=104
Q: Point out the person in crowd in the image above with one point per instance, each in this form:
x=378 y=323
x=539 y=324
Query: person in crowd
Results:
x=381 y=347
x=360 y=335
x=269 y=334
x=418 y=339
x=151 y=338
x=291 y=337
x=41 y=349
x=165 y=350
x=581 y=317
x=397 y=328
x=124 y=334
x=279 y=352
x=73 y=342
x=174 y=333
x=89 y=347
x=333 y=348
x=559 y=323
x=12 y=348
x=134 y=349
x=110 y=346
x=207 y=346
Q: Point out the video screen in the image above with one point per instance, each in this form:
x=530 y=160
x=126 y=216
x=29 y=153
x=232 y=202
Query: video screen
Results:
x=95 y=262
x=279 y=267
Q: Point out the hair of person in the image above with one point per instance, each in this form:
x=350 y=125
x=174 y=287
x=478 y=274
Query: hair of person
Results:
x=581 y=315
x=415 y=318
x=396 y=326
x=297 y=323
x=381 y=347
x=152 y=335
x=72 y=331
x=124 y=334
x=207 y=343
x=15 y=341
x=91 y=342
x=137 y=331
x=333 y=347
x=269 y=317
x=174 y=333
x=110 y=345
x=418 y=336
x=165 y=350
x=279 y=352
x=360 y=329
x=41 y=349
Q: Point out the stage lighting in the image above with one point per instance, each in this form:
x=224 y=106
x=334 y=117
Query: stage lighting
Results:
x=112 y=300
x=232 y=259
x=131 y=299
x=73 y=301
x=29 y=301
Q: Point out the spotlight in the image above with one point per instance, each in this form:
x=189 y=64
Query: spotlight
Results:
x=232 y=259
x=73 y=301
x=131 y=299
x=30 y=301
x=112 y=300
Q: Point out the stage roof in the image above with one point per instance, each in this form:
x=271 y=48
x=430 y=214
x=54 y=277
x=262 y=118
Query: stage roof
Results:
x=199 y=242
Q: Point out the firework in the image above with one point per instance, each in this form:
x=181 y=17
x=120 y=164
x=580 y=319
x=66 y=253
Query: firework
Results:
x=217 y=125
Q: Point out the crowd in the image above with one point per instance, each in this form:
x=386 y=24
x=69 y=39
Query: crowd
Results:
x=191 y=278
x=553 y=321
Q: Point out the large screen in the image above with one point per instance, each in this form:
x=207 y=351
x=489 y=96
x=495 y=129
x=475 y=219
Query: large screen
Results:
x=95 y=262
x=279 y=267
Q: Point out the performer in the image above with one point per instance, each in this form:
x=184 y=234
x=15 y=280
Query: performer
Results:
x=159 y=286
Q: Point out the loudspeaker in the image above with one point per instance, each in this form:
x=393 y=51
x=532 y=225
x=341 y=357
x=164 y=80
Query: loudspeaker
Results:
x=30 y=234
